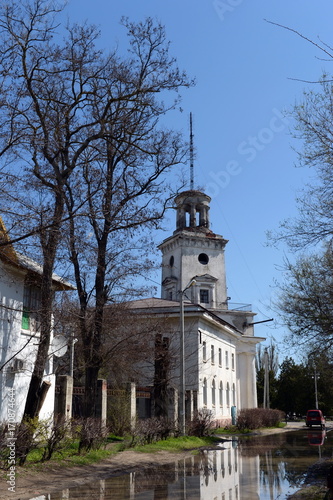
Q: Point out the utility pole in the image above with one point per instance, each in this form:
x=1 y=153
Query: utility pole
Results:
x=266 y=380
x=182 y=388
x=316 y=390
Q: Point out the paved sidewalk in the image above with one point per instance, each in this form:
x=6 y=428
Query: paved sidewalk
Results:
x=301 y=425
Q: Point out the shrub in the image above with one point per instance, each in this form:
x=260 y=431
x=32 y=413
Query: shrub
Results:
x=254 y=418
x=119 y=414
x=45 y=435
x=57 y=438
x=91 y=434
x=3 y=446
x=201 y=423
x=29 y=434
x=150 y=430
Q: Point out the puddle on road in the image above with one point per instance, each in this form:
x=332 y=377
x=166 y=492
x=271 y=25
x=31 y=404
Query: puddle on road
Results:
x=256 y=468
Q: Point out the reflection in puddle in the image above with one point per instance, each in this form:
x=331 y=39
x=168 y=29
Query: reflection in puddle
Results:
x=259 y=468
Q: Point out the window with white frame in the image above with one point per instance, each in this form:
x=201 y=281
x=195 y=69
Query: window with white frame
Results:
x=220 y=356
x=204 y=351
x=204 y=391
x=227 y=359
x=204 y=296
x=213 y=392
x=212 y=354
x=232 y=361
x=221 y=394
x=233 y=395
x=31 y=307
x=228 y=394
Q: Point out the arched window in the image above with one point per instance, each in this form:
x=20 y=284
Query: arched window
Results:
x=221 y=394
x=229 y=465
x=204 y=392
x=228 y=394
x=222 y=468
x=212 y=354
x=233 y=395
x=213 y=392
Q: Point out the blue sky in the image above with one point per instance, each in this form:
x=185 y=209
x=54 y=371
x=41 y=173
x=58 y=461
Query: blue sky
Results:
x=245 y=70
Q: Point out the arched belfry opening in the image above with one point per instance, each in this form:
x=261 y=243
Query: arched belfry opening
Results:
x=192 y=210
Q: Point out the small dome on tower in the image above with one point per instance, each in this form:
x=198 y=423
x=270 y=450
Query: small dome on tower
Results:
x=192 y=210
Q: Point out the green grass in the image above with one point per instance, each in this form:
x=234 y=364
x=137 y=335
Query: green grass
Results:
x=227 y=430
x=177 y=444
x=69 y=455
x=234 y=430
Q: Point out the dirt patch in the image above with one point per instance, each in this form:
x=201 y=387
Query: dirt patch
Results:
x=50 y=479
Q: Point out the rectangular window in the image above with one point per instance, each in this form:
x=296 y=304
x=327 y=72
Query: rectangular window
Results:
x=31 y=307
x=204 y=351
x=212 y=355
x=232 y=361
x=226 y=359
x=220 y=356
x=25 y=319
x=204 y=297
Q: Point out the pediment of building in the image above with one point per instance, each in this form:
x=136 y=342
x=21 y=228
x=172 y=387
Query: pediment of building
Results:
x=205 y=278
x=170 y=280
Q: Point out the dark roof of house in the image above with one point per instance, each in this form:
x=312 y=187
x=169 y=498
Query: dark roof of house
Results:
x=15 y=259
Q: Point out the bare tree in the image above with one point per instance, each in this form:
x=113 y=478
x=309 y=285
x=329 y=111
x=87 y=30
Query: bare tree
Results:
x=313 y=116
x=123 y=187
x=86 y=141
x=272 y=358
x=306 y=299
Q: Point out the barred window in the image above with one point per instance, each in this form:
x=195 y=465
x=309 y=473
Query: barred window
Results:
x=31 y=307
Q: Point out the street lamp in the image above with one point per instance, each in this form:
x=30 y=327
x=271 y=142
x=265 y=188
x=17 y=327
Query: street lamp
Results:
x=182 y=360
x=72 y=342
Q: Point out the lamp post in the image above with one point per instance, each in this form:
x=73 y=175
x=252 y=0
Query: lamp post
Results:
x=266 y=380
x=182 y=361
x=72 y=342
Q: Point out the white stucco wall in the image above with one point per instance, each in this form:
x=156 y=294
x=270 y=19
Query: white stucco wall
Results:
x=198 y=332
x=221 y=369
x=19 y=343
x=185 y=252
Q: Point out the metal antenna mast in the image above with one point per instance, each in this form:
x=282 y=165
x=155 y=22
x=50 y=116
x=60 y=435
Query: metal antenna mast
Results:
x=191 y=154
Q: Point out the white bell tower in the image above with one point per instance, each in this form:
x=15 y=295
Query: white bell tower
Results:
x=194 y=251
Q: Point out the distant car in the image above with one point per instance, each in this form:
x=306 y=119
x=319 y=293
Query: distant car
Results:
x=315 y=417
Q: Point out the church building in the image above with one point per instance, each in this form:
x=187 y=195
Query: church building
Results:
x=218 y=357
